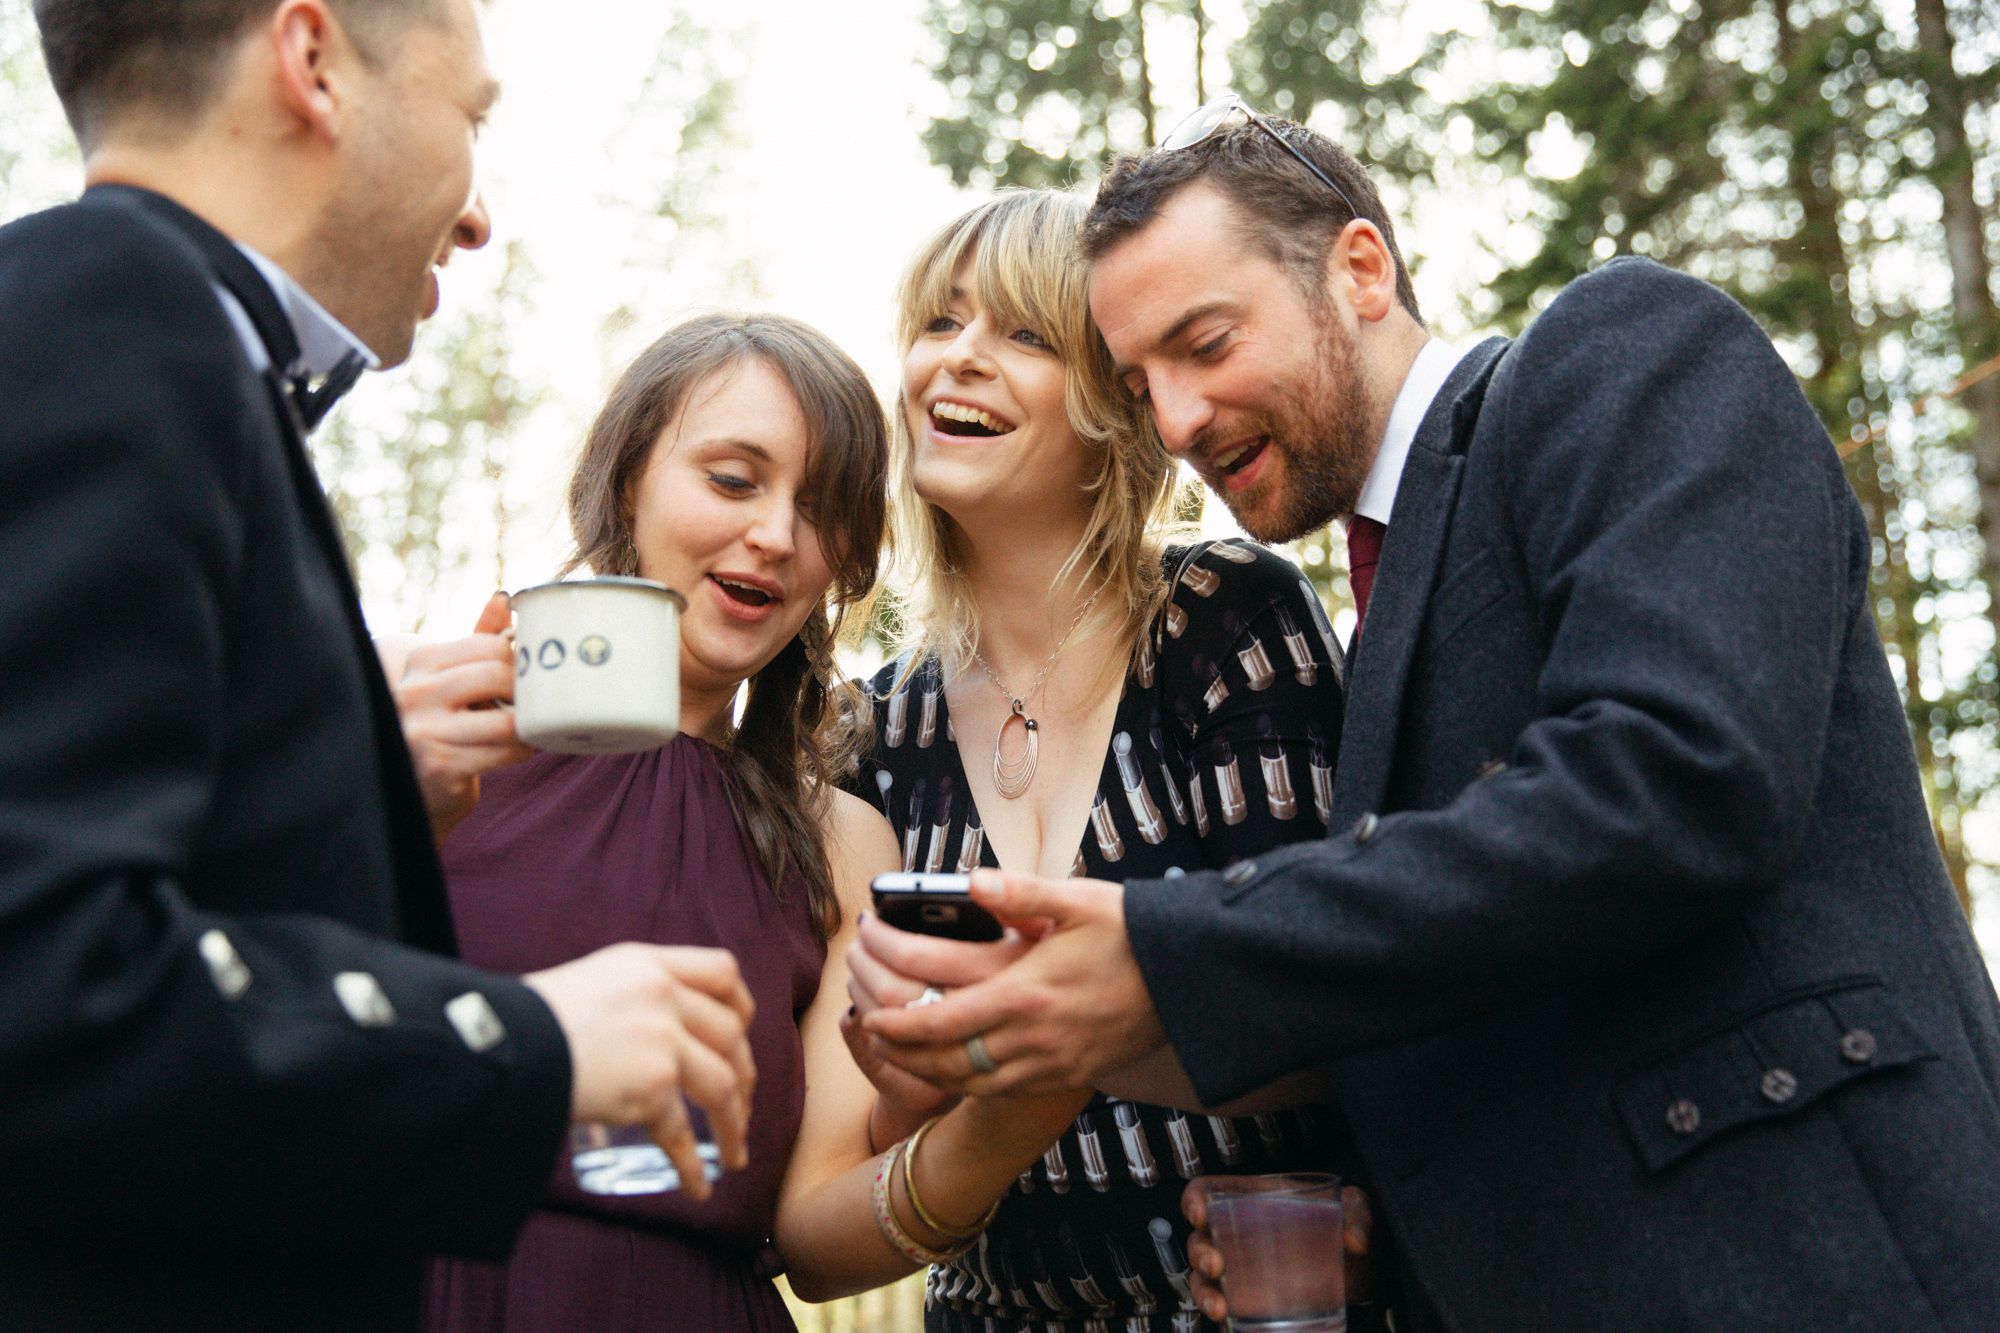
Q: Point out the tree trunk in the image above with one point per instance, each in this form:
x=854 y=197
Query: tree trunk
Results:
x=1972 y=307
x=1145 y=73
x=1839 y=378
x=1200 y=51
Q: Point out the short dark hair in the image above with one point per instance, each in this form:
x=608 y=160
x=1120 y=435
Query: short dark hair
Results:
x=167 y=58
x=1288 y=214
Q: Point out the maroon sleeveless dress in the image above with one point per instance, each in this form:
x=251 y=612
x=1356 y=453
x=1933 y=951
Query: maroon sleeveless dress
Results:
x=563 y=855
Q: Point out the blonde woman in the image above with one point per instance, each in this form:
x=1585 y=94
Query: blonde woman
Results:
x=1076 y=695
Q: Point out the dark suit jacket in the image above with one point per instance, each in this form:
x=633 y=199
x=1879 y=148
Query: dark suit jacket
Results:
x=206 y=816
x=1641 y=977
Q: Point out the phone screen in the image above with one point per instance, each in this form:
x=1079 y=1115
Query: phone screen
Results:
x=939 y=905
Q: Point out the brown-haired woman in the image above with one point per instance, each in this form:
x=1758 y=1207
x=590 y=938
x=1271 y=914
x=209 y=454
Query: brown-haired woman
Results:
x=741 y=461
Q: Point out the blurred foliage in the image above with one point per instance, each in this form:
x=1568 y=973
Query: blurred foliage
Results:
x=893 y=1309
x=1788 y=153
x=1313 y=60
x=1041 y=91
x=38 y=159
x=414 y=470
x=676 y=144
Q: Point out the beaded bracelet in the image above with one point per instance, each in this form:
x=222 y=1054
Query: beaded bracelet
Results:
x=892 y=1230
x=917 y=1202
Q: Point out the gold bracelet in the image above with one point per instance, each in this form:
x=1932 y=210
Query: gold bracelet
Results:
x=892 y=1230
x=916 y=1200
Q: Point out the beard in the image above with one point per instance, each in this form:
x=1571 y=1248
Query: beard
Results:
x=1318 y=427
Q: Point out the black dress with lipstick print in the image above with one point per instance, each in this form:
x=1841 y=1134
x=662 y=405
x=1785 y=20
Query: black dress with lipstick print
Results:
x=1223 y=748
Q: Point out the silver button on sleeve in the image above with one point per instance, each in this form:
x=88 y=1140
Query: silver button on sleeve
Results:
x=476 y=1023
x=225 y=966
x=362 y=997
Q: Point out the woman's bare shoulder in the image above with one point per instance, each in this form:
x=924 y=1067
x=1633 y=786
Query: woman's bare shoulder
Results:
x=859 y=841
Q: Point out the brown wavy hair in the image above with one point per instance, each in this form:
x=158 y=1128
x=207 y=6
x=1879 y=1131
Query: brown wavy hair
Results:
x=803 y=721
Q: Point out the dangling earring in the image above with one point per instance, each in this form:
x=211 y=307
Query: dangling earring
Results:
x=625 y=559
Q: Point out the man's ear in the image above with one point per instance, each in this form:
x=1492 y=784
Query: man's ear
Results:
x=1360 y=267
x=310 y=50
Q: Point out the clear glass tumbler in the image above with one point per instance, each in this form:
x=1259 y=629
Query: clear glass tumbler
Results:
x=1282 y=1256
x=625 y=1160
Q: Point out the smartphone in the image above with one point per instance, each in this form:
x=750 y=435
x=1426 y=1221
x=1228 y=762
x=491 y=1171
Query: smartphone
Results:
x=934 y=905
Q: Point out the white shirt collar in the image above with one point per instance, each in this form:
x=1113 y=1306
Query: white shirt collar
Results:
x=1428 y=372
x=323 y=340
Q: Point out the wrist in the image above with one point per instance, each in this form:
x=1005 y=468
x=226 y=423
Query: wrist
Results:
x=941 y=1218
x=1020 y=1126
x=891 y=1118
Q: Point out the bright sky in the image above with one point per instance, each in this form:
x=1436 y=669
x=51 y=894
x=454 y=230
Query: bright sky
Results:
x=829 y=195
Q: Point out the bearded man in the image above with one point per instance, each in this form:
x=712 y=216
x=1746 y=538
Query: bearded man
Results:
x=1632 y=962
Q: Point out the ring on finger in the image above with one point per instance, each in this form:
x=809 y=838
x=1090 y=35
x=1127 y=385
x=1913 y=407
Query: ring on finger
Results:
x=931 y=995
x=982 y=1059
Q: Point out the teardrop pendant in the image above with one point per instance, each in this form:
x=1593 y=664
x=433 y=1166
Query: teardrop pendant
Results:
x=1012 y=776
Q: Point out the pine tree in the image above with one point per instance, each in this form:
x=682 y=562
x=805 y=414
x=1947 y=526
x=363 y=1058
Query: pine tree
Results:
x=1780 y=150
x=415 y=467
x=1041 y=91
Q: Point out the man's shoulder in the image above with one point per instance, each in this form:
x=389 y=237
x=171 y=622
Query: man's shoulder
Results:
x=1633 y=292
x=85 y=258
x=1628 y=323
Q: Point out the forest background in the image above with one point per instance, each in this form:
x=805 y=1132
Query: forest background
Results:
x=1831 y=163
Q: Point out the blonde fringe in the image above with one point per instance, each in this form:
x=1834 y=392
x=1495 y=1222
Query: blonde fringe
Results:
x=1028 y=269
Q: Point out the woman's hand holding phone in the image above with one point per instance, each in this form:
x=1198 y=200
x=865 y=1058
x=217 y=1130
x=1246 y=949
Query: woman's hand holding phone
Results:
x=940 y=909
x=907 y=1101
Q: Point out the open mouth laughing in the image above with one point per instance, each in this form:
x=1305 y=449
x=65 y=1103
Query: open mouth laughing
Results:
x=964 y=421
x=1234 y=465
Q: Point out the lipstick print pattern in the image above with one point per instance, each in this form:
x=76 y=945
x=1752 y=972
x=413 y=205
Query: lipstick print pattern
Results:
x=1230 y=719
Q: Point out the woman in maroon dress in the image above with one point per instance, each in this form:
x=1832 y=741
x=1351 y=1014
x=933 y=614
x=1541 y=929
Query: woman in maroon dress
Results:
x=741 y=460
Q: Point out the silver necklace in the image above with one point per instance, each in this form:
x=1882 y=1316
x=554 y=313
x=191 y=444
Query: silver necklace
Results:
x=1013 y=776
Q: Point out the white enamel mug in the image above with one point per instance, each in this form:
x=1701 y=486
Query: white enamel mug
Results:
x=597 y=665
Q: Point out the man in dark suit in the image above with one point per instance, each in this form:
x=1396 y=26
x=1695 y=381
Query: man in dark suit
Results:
x=242 y=1084
x=1631 y=959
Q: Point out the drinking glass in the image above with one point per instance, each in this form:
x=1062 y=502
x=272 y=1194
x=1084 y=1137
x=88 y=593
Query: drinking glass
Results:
x=1282 y=1256
x=625 y=1160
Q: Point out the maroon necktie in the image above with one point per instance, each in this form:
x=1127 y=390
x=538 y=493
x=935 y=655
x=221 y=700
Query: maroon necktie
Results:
x=1364 y=549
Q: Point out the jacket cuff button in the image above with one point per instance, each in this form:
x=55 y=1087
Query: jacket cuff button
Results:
x=1684 y=1117
x=1858 y=1046
x=476 y=1023
x=225 y=966
x=1780 y=1086
x=363 y=999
